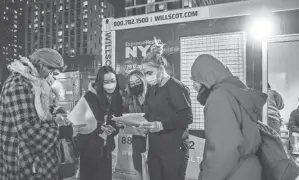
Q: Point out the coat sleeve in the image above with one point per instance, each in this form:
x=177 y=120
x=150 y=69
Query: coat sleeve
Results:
x=278 y=100
x=39 y=136
x=223 y=136
x=179 y=100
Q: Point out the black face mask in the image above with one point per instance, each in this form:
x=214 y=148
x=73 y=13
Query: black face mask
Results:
x=203 y=95
x=137 y=90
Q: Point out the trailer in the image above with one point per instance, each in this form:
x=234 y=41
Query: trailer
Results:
x=224 y=31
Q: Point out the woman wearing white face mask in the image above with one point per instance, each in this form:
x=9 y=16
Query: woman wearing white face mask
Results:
x=95 y=148
x=168 y=110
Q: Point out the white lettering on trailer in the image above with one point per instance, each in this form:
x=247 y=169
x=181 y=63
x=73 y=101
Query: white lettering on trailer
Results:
x=142 y=20
x=108 y=49
x=132 y=51
x=174 y=16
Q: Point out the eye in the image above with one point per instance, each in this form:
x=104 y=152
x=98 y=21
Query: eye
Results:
x=138 y=82
x=113 y=81
x=148 y=73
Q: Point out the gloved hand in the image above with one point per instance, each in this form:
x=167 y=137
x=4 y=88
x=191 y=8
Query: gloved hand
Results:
x=152 y=127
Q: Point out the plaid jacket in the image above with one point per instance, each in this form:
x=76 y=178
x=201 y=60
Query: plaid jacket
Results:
x=25 y=141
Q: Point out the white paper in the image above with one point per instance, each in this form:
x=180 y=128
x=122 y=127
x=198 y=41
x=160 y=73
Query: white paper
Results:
x=82 y=114
x=132 y=119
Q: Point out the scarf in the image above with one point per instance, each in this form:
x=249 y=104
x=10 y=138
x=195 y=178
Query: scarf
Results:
x=40 y=88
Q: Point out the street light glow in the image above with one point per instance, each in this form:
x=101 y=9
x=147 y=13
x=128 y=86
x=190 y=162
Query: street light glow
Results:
x=261 y=28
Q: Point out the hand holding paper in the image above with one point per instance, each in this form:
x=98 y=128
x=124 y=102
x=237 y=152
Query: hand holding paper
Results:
x=152 y=126
x=132 y=119
x=108 y=129
x=77 y=129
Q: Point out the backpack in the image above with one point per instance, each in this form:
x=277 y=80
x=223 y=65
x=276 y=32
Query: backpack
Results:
x=276 y=163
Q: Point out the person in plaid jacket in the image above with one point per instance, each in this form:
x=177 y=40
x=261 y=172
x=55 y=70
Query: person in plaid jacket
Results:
x=28 y=132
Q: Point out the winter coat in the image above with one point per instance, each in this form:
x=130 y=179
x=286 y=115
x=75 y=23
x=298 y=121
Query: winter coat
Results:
x=275 y=104
x=294 y=121
x=25 y=141
x=229 y=151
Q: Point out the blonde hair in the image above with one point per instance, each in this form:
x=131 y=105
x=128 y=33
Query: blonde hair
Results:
x=133 y=101
x=155 y=56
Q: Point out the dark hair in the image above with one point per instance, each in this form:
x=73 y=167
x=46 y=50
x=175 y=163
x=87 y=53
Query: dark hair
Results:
x=134 y=102
x=116 y=103
x=269 y=87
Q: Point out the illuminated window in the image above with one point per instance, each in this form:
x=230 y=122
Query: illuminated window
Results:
x=161 y=7
x=85 y=30
x=59 y=33
x=85 y=3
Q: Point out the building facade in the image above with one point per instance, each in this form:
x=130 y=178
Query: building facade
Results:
x=72 y=27
x=12 y=33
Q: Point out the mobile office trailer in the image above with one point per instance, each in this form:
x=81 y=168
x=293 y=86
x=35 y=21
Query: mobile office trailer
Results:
x=220 y=30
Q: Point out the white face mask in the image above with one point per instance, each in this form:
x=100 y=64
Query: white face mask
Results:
x=50 y=79
x=196 y=86
x=152 y=79
x=58 y=90
x=109 y=88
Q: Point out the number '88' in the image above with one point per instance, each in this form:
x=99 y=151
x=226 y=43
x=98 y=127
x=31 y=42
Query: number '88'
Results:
x=126 y=140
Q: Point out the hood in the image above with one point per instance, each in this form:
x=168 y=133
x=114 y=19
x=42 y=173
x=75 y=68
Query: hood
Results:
x=251 y=100
x=208 y=70
x=214 y=74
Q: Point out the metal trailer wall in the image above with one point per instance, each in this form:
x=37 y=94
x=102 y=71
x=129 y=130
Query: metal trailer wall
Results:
x=286 y=23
